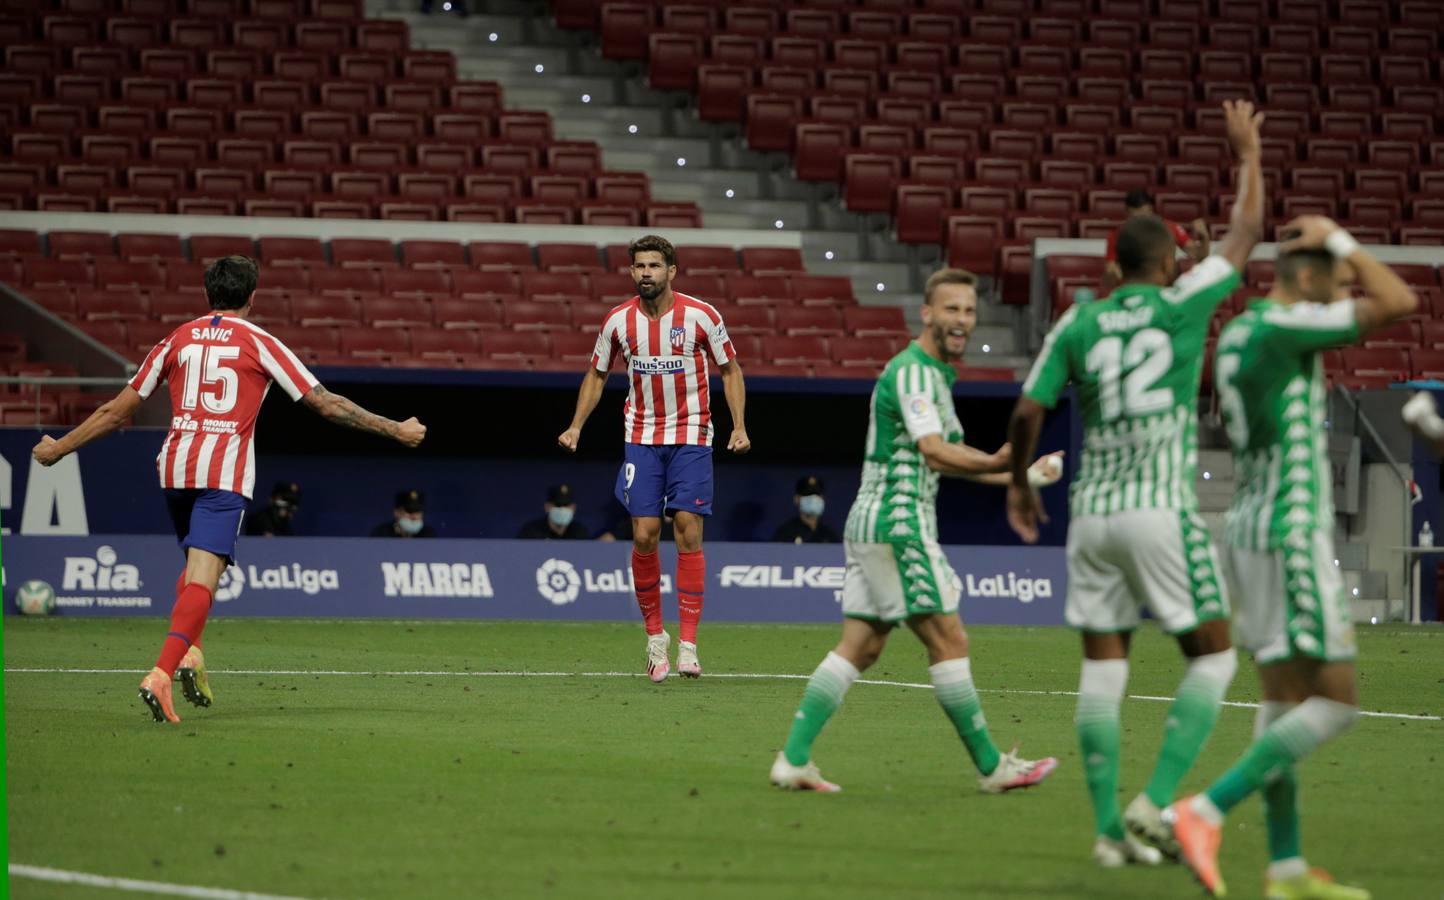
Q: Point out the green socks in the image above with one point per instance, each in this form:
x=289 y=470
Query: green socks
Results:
x=1280 y=795
x=1100 y=694
x=953 y=686
x=823 y=695
x=1288 y=739
x=1190 y=721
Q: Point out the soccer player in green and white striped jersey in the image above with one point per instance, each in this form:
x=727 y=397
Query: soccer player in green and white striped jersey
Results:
x=896 y=571
x=1135 y=536
x=1291 y=611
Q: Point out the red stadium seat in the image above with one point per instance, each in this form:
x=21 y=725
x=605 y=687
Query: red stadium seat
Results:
x=797 y=349
x=366 y=252
x=326 y=311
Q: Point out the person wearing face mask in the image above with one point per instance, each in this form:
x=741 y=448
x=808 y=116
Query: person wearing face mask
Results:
x=277 y=518
x=559 y=523
x=408 y=518
x=807 y=526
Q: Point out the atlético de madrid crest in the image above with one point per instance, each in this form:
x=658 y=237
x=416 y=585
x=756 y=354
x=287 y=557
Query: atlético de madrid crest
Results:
x=679 y=337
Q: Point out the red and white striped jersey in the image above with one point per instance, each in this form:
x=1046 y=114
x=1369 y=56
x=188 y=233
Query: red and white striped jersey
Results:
x=666 y=360
x=219 y=369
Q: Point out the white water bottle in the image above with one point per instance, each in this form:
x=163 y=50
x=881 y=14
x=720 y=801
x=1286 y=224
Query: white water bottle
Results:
x=1426 y=536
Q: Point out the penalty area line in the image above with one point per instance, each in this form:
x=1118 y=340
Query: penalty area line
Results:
x=756 y=676
x=62 y=876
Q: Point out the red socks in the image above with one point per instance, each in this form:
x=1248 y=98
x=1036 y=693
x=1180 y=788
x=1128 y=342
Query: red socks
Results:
x=647 y=579
x=691 y=581
x=187 y=621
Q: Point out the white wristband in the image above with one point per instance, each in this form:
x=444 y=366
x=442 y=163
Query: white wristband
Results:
x=1341 y=244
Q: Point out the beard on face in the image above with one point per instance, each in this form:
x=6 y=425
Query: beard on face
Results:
x=652 y=290
x=940 y=337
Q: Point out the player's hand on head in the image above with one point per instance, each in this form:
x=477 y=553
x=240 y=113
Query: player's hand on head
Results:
x=739 y=442
x=1308 y=231
x=1242 y=122
x=44 y=452
x=411 y=432
x=568 y=439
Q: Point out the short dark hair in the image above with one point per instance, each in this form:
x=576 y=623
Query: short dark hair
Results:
x=1143 y=243
x=1288 y=265
x=652 y=243
x=1137 y=199
x=230 y=282
x=947 y=276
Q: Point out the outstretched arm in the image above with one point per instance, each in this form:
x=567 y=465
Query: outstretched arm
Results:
x=736 y=392
x=587 y=399
x=337 y=409
x=961 y=460
x=111 y=415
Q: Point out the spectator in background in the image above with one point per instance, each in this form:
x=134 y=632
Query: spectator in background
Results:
x=559 y=522
x=408 y=518
x=1192 y=240
x=807 y=526
x=275 y=519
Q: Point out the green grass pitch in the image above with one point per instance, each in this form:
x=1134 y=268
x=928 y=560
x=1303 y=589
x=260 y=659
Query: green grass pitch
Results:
x=575 y=786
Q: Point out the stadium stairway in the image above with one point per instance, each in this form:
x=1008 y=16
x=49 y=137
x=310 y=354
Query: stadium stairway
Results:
x=516 y=43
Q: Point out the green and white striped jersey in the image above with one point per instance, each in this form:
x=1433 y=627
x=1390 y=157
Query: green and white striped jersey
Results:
x=897 y=501
x=1135 y=357
x=1270 y=379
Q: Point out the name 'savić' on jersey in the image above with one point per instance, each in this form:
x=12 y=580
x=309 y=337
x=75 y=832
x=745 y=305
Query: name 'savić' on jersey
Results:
x=219 y=369
x=1135 y=357
x=668 y=400
x=897 y=500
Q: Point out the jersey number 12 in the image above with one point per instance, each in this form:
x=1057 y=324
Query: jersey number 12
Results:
x=1148 y=355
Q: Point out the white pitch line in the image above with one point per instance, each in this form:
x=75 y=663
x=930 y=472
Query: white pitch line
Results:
x=61 y=876
x=421 y=673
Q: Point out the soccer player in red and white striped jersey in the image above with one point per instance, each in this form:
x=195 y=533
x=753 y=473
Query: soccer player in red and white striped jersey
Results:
x=665 y=339
x=219 y=368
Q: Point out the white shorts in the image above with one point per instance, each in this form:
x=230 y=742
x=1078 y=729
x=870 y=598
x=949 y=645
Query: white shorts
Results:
x=1291 y=601
x=1121 y=561
x=890 y=582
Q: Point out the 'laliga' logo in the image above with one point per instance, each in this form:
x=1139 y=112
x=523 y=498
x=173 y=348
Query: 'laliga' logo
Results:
x=232 y=582
x=679 y=338
x=557 y=582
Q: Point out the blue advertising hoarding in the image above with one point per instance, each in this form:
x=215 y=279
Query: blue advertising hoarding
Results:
x=102 y=575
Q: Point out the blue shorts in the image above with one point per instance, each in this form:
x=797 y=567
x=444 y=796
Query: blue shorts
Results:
x=673 y=476
x=206 y=519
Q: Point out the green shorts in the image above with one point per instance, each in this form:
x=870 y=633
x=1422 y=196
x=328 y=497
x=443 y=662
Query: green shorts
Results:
x=888 y=582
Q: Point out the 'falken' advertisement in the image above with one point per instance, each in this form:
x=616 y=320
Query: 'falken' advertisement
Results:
x=481 y=579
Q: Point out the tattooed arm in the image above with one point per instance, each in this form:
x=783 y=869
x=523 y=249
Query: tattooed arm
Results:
x=337 y=409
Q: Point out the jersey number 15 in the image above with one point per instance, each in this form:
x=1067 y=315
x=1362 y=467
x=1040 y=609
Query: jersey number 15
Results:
x=207 y=366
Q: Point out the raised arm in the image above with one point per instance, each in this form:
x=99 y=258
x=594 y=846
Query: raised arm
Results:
x=735 y=390
x=111 y=415
x=337 y=409
x=587 y=398
x=1246 y=220
x=1386 y=297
